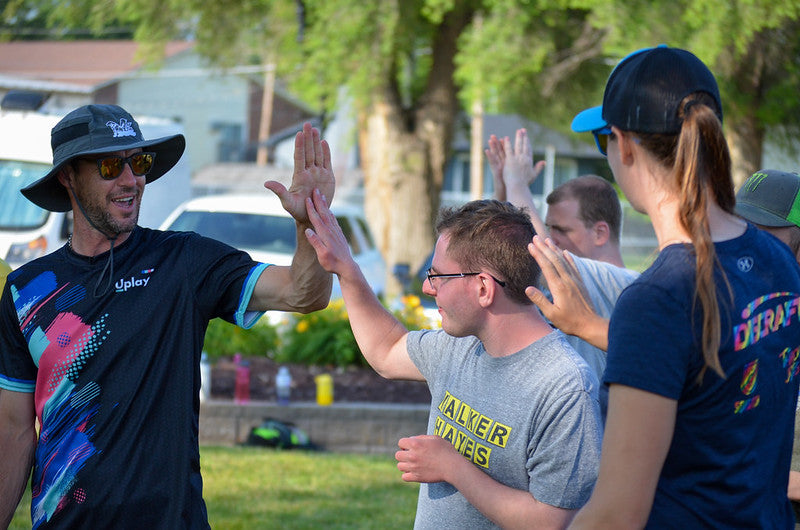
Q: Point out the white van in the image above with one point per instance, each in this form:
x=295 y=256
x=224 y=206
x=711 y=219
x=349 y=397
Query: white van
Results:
x=258 y=224
x=27 y=231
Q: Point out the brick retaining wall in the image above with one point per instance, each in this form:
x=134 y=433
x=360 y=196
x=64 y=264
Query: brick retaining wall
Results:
x=346 y=427
x=342 y=427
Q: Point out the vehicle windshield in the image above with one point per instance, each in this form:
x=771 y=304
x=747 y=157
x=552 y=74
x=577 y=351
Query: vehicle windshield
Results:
x=267 y=233
x=17 y=212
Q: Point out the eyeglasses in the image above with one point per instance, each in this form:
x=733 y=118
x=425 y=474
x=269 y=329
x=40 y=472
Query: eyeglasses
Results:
x=110 y=167
x=601 y=137
x=432 y=276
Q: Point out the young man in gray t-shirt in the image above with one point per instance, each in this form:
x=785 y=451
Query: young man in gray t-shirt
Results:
x=514 y=432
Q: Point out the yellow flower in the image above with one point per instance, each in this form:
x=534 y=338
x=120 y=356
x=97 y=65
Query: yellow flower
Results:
x=337 y=304
x=411 y=300
x=302 y=326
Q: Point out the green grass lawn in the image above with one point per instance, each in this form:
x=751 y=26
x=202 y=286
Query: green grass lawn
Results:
x=254 y=488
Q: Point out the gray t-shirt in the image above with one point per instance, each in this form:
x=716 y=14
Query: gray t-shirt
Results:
x=604 y=282
x=530 y=420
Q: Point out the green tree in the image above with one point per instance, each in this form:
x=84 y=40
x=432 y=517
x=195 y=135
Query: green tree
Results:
x=39 y=20
x=410 y=65
x=751 y=46
x=398 y=61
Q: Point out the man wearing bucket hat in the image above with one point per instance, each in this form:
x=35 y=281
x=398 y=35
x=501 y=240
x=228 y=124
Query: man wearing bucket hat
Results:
x=100 y=341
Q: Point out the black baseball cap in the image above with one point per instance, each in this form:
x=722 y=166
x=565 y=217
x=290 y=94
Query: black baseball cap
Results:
x=98 y=129
x=770 y=198
x=644 y=92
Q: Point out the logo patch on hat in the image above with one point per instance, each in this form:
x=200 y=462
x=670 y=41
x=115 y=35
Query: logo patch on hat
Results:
x=745 y=263
x=752 y=183
x=123 y=128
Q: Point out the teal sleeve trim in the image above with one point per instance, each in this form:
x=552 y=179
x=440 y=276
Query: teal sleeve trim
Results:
x=244 y=318
x=17 y=385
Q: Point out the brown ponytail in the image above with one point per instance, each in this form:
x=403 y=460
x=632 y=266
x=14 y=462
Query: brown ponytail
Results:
x=701 y=166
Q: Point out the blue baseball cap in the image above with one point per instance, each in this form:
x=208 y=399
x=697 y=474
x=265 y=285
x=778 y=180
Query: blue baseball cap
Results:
x=645 y=90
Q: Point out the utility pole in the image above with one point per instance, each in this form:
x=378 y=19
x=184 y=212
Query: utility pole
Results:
x=266 y=110
x=476 y=152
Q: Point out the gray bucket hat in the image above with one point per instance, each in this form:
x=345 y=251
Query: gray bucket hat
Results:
x=97 y=129
x=770 y=198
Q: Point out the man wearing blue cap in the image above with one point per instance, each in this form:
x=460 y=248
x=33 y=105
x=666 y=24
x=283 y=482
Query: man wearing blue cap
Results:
x=100 y=341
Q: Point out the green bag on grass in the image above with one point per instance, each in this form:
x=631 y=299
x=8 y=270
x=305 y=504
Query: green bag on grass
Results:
x=276 y=433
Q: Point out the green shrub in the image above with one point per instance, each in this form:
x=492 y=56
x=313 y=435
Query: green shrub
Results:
x=325 y=337
x=321 y=338
x=224 y=339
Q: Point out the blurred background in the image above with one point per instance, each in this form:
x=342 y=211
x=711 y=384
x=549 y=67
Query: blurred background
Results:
x=406 y=92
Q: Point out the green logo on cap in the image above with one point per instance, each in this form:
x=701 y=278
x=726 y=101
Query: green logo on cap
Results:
x=753 y=182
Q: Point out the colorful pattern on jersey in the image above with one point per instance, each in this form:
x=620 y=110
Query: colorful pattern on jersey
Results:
x=61 y=350
x=775 y=316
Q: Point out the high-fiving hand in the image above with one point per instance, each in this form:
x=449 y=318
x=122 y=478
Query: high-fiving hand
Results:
x=327 y=238
x=571 y=310
x=312 y=170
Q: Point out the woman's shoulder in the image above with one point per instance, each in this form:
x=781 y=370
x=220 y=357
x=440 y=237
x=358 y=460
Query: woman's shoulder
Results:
x=675 y=263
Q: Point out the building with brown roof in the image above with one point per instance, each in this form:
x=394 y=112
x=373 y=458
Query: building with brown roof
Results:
x=219 y=109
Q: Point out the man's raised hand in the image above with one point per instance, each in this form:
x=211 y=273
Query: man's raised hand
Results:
x=312 y=170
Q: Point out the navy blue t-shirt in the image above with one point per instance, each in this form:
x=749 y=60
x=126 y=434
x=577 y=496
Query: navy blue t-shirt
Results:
x=728 y=463
x=116 y=378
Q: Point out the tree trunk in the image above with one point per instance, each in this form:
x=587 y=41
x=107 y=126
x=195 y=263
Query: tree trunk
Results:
x=397 y=179
x=262 y=153
x=751 y=75
x=746 y=141
x=404 y=155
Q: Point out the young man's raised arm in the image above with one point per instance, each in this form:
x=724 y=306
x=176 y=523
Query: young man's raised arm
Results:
x=380 y=336
x=17 y=445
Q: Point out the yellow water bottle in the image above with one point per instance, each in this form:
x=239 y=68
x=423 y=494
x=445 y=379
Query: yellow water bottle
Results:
x=324 y=389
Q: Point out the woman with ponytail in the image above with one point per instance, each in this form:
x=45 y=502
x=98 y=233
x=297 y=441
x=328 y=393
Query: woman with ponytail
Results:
x=703 y=347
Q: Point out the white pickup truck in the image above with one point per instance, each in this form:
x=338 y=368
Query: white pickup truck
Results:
x=27 y=231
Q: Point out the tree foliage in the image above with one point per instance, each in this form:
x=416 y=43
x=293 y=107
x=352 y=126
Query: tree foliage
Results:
x=541 y=58
x=409 y=64
x=545 y=65
x=750 y=45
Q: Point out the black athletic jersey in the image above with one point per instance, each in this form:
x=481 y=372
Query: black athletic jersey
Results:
x=116 y=376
